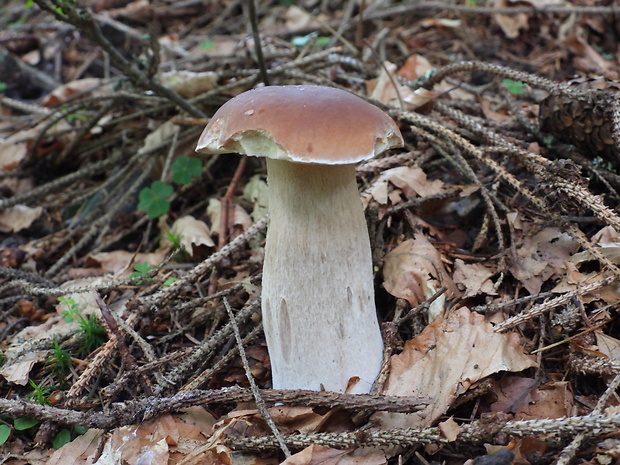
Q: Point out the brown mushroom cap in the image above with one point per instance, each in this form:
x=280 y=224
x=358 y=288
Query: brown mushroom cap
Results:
x=306 y=124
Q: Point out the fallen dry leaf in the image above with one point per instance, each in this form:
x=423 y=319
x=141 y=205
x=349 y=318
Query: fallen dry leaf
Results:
x=12 y=154
x=415 y=66
x=321 y=455
x=165 y=441
x=241 y=218
x=607 y=345
x=378 y=190
x=87 y=87
x=588 y=59
x=159 y=136
x=81 y=451
x=541 y=256
x=607 y=242
x=511 y=392
x=290 y=19
x=38 y=456
x=528 y=400
x=450 y=429
x=475 y=277
x=383 y=87
x=120 y=262
x=511 y=25
x=18 y=371
x=16 y=185
x=257 y=192
x=414 y=271
x=188 y=83
x=443 y=361
x=297 y=18
x=20 y=356
x=551 y=400
x=191 y=232
x=18 y=217
x=411 y=181
x=441 y=22
x=215 y=45
x=298 y=419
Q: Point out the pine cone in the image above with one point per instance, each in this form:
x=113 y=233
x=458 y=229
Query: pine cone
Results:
x=582 y=115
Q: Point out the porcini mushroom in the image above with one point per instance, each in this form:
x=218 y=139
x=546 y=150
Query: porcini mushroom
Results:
x=318 y=297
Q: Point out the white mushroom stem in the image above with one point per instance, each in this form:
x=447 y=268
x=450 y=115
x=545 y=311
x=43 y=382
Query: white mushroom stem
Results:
x=318 y=297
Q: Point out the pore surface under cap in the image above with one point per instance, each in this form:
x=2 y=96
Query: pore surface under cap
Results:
x=308 y=124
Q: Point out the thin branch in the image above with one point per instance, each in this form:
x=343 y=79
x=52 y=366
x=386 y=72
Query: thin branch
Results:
x=260 y=403
x=477 y=432
x=137 y=411
x=257 y=43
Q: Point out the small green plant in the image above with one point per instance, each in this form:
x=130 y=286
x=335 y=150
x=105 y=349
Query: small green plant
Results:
x=168 y=282
x=174 y=239
x=141 y=272
x=548 y=140
x=185 y=169
x=59 y=360
x=72 y=311
x=207 y=44
x=40 y=395
x=80 y=429
x=514 y=87
x=5 y=433
x=19 y=424
x=17 y=23
x=73 y=117
x=63 y=437
x=92 y=334
x=154 y=200
x=601 y=163
x=24 y=423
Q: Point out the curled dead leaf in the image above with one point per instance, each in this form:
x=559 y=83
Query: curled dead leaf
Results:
x=387 y=88
x=240 y=219
x=414 y=271
x=191 y=232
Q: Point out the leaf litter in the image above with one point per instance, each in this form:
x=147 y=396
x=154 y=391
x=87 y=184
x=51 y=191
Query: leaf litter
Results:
x=469 y=213
x=444 y=360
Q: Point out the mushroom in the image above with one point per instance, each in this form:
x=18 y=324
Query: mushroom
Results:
x=318 y=304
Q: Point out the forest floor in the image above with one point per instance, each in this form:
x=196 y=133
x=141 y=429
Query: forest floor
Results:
x=495 y=232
